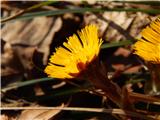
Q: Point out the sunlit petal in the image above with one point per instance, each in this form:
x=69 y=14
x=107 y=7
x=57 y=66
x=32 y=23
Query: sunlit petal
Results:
x=67 y=63
x=148 y=47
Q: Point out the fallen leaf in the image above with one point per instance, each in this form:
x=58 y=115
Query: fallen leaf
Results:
x=38 y=32
x=41 y=114
x=122 y=51
x=4 y=117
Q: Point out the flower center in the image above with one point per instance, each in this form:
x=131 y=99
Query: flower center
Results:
x=81 y=66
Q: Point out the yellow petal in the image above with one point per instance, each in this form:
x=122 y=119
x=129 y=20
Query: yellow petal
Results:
x=69 y=63
x=148 y=47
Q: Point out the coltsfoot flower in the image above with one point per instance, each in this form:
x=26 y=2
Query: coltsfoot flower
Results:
x=78 y=58
x=148 y=47
x=75 y=54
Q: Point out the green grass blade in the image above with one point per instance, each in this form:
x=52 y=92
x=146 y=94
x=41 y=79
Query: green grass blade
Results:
x=57 y=93
x=134 y=81
x=40 y=5
x=153 y=3
x=25 y=83
x=81 y=10
x=21 y=12
x=116 y=44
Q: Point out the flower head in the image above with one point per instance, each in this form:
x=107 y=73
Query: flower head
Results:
x=148 y=47
x=77 y=53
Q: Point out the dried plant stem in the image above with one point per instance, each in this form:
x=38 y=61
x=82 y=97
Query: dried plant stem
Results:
x=144 y=98
x=155 y=78
x=98 y=110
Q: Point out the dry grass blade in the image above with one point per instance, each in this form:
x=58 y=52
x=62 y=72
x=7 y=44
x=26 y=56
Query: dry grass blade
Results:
x=39 y=114
x=144 y=98
x=97 y=110
x=13 y=16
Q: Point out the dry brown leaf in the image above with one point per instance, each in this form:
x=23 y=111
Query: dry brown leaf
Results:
x=38 y=32
x=38 y=90
x=41 y=114
x=4 y=117
x=30 y=114
x=134 y=69
x=21 y=39
x=25 y=54
x=16 y=60
x=122 y=51
x=44 y=46
x=8 y=60
x=47 y=115
x=119 y=67
x=27 y=32
x=106 y=29
x=132 y=24
x=90 y=18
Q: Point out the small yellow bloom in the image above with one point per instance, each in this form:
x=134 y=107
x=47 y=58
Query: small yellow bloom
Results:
x=148 y=47
x=70 y=60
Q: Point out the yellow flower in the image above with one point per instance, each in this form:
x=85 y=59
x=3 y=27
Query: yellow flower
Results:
x=148 y=47
x=77 y=53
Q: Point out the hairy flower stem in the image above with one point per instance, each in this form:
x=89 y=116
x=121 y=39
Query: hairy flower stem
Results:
x=155 y=78
x=97 y=76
